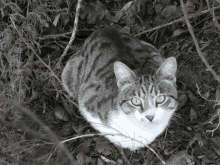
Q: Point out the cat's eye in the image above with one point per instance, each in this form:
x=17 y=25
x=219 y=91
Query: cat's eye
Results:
x=135 y=101
x=160 y=99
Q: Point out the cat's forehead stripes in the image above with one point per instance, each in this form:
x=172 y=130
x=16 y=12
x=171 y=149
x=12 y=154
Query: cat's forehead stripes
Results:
x=167 y=88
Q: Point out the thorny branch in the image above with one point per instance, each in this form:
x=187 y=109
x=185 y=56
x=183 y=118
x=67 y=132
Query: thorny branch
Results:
x=196 y=43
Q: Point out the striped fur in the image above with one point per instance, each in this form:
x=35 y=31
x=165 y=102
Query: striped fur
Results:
x=112 y=72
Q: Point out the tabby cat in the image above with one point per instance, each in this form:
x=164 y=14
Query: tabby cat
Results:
x=124 y=87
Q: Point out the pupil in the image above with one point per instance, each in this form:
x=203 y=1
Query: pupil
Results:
x=136 y=101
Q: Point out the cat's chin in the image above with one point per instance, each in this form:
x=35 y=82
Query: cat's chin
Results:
x=132 y=133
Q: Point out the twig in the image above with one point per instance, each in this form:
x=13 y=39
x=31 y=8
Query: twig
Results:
x=73 y=34
x=214 y=18
x=196 y=43
x=64 y=35
x=119 y=134
x=198 y=91
x=178 y=20
x=211 y=120
x=35 y=118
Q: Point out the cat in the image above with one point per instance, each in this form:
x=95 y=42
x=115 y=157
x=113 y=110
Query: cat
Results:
x=125 y=88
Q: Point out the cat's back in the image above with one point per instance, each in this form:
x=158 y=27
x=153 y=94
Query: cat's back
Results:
x=93 y=64
x=114 y=45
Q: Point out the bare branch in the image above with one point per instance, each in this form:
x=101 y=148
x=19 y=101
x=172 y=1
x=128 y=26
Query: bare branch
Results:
x=73 y=34
x=196 y=43
x=178 y=20
x=64 y=35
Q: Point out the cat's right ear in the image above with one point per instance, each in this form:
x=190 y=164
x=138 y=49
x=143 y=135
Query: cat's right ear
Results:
x=168 y=70
x=123 y=74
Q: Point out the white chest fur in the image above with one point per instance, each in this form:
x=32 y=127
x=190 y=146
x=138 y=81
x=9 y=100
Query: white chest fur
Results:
x=128 y=131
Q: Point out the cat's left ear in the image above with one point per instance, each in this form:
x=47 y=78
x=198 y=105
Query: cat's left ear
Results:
x=167 y=70
x=123 y=74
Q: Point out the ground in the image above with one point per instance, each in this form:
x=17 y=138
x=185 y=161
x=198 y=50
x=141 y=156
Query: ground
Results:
x=36 y=113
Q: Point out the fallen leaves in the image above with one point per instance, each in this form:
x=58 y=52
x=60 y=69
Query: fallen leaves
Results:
x=180 y=158
x=215 y=141
x=93 y=12
x=61 y=113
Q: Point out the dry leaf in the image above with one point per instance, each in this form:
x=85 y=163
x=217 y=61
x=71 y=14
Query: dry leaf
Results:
x=55 y=21
x=193 y=114
x=66 y=130
x=110 y=162
x=182 y=98
x=158 y=8
x=65 y=18
x=197 y=137
x=94 y=12
x=3 y=140
x=206 y=44
x=81 y=158
x=168 y=151
x=104 y=148
x=192 y=97
x=121 y=12
x=168 y=12
x=215 y=141
x=61 y=114
x=189 y=77
x=100 y=162
x=180 y=158
x=177 y=32
x=217 y=94
x=206 y=95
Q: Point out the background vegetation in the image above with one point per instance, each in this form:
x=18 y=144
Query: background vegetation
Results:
x=40 y=124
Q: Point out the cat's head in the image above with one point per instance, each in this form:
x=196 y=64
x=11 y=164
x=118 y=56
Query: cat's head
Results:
x=152 y=100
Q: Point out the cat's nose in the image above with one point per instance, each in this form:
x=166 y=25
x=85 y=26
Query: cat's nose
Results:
x=150 y=117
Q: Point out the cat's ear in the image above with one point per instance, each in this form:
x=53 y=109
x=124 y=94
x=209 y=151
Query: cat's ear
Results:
x=167 y=70
x=123 y=74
